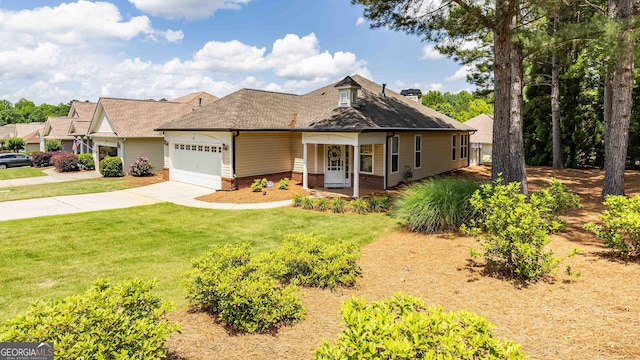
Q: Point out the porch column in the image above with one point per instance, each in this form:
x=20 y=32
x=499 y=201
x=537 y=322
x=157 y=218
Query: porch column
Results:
x=356 y=171
x=305 y=169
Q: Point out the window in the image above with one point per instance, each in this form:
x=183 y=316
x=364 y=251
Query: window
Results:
x=417 y=162
x=176 y=146
x=366 y=159
x=207 y=148
x=181 y=146
x=395 y=154
x=344 y=98
x=200 y=147
x=453 y=148
x=464 y=146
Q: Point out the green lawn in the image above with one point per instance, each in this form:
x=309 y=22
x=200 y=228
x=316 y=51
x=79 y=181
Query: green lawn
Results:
x=54 y=257
x=88 y=186
x=19 y=173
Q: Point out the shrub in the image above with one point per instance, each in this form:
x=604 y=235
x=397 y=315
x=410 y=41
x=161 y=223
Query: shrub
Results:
x=283 y=184
x=512 y=231
x=338 y=205
x=141 y=167
x=258 y=184
x=226 y=283
x=297 y=200
x=15 y=144
x=42 y=159
x=359 y=206
x=307 y=203
x=110 y=167
x=308 y=260
x=379 y=203
x=53 y=145
x=436 y=205
x=621 y=224
x=553 y=200
x=404 y=328
x=86 y=161
x=65 y=161
x=108 y=320
x=322 y=204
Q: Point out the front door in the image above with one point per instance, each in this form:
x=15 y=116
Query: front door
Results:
x=334 y=175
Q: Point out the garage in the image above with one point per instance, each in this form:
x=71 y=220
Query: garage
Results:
x=197 y=164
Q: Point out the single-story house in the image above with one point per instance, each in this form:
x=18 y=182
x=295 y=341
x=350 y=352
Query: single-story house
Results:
x=481 y=140
x=125 y=127
x=350 y=134
x=57 y=128
x=27 y=132
x=81 y=112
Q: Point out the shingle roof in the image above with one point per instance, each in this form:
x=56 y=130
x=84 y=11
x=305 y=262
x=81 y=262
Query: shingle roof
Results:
x=20 y=130
x=85 y=109
x=347 y=81
x=79 y=127
x=317 y=110
x=483 y=123
x=139 y=118
x=58 y=128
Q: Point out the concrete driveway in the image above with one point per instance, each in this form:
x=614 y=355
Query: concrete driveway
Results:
x=168 y=191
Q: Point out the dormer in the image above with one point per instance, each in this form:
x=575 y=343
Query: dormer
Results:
x=348 y=92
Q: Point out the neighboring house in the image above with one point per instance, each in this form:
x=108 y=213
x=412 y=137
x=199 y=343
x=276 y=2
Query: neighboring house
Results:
x=27 y=132
x=481 y=140
x=57 y=128
x=125 y=127
x=350 y=134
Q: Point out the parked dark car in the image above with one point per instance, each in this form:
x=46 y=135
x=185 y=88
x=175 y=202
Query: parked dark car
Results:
x=14 y=160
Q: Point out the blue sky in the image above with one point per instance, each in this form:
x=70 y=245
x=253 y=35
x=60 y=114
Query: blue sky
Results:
x=55 y=51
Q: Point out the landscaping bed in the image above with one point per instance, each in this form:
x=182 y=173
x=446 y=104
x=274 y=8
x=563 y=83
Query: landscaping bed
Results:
x=248 y=196
x=594 y=316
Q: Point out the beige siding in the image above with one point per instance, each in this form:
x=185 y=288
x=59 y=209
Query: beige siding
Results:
x=153 y=149
x=378 y=159
x=297 y=152
x=263 y=153
x=436 y=156
x=103 y=124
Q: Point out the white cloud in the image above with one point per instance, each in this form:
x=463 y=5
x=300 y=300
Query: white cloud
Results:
x=188 y=9
x=228 y=56
x=360 y=21
x=461 y=73
x=429 y=52
x=174 y=36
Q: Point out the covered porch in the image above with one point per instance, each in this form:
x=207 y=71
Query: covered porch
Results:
x=344 y=161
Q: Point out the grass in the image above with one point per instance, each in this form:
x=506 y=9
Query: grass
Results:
x=438 y=204
x=76 y=187
x=54 y=257
x=20 y=172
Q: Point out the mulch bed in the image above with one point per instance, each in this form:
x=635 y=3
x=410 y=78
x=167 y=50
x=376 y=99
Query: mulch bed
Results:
x=595 y=316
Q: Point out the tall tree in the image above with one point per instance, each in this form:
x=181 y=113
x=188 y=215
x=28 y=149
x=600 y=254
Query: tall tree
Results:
x=458 y=21
x=618 y=97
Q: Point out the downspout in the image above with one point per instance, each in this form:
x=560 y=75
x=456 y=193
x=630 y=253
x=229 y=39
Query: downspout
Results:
x=233 y=160
x=386 y=160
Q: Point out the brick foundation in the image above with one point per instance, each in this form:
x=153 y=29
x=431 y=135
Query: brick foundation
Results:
x=315 y=180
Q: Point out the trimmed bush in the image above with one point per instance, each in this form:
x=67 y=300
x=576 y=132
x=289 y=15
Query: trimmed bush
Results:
x=53 y=145
x=141 y=167
x=338 y=205
x=512 y=231
x=404 y=328
x=42 y=159
x=283 y=184
x=65 y=161
x=308 y=260
x=111 y=167
x=108 y=321
x=226 y=283
x=359 y=206
x=621 y=225
x=436 y=205
x=86 y=161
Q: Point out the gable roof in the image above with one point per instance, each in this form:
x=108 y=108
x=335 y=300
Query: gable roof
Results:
x=57 y=128
x=317 y=110
x=20 y=130
x=79 y=127
x=484 y=125
x=82 y=110
x=139 y=118
x=194 y=99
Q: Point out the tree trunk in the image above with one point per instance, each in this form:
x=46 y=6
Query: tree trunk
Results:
x=617 y=130
x=558 y=161
x=502 y=78
x=516 y=139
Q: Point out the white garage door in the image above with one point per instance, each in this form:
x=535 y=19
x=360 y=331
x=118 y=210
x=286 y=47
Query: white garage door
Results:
x=197 y=164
